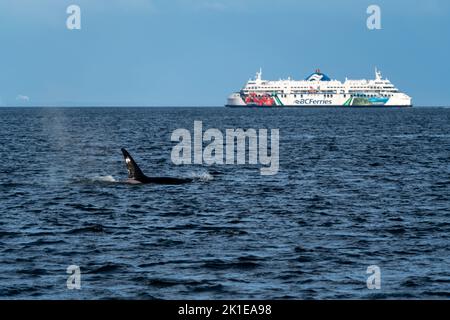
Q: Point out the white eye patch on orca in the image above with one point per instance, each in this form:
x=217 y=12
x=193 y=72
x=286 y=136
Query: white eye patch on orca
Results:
x=127 y=160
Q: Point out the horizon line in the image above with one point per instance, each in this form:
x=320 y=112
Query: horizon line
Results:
x=205 y=106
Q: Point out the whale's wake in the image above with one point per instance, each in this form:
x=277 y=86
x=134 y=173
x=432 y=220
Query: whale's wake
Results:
x=202 y=176
x=107 y=178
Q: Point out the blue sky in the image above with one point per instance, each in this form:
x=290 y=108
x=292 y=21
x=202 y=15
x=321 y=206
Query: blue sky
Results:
x=195 y=52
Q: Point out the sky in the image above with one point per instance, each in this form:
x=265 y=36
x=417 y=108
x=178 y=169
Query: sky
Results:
x=196 y=52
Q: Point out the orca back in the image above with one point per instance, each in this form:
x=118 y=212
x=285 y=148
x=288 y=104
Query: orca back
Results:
x=135 y=174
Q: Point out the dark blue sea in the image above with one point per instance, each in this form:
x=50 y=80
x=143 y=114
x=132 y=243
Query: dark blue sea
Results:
x=356 y=187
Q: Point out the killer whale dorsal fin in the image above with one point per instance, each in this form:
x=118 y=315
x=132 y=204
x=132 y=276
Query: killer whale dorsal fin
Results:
x=134 y=172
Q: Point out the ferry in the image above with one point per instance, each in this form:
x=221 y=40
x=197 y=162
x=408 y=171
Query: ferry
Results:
x=318 y=90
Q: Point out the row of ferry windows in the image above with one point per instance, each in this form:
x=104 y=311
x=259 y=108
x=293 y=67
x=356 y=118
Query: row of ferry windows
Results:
x=332 y=88
x=345 y=95
x=355 y=94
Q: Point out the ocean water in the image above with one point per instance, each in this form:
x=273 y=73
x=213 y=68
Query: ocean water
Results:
x=356 y=187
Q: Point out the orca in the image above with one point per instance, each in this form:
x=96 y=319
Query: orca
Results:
x=136 y=176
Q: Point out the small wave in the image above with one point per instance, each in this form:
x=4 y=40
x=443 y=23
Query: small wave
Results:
x=208 y=288
x=218 y=264
x=8 y=234
x=440 y=294
x=171 y=282
x=107 y=268
x=168 y=242
x=396 y=230
x=33 y=272
x=162 y=283
x=96 y=228
x=41 y=242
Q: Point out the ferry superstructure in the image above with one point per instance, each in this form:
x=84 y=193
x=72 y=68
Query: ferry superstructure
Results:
x=318 y=90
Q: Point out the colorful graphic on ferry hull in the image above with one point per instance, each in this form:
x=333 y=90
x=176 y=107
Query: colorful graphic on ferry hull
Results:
x=266 y=100
x=253 y=99
x=364 y=101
